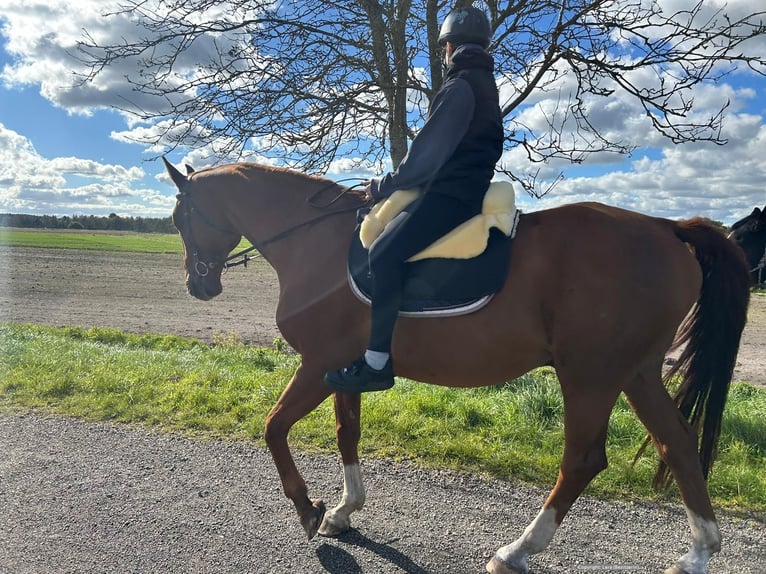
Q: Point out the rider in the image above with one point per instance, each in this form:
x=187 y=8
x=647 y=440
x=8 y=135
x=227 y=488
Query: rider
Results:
x=452 y=161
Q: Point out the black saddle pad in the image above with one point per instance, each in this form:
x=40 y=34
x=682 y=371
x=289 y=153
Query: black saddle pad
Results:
x=440 y=285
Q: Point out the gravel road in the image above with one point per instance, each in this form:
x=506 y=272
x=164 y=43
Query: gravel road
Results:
x=79 y=497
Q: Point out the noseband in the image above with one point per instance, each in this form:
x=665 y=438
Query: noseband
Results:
x=189 y=209
x=203 y=268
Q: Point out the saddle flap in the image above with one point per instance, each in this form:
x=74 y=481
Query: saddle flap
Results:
x=439 y=286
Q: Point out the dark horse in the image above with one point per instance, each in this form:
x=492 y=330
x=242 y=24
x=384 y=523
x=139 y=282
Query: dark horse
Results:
x=750 y=234
x=597 y=292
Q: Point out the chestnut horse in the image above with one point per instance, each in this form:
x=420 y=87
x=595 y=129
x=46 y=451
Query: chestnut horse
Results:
x=595 y=291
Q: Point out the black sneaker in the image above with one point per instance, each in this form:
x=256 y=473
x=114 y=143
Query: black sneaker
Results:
x=359 y=377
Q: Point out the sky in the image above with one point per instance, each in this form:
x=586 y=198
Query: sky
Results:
x=68 y=151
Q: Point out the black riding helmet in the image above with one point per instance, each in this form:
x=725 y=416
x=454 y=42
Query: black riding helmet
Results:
x=467 y=25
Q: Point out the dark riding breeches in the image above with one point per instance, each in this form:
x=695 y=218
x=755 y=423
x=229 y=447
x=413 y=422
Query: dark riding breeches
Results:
x=421 y=223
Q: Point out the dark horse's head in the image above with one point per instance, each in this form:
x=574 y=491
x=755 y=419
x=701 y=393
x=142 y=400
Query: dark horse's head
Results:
x=205 y=232
x=750 y=234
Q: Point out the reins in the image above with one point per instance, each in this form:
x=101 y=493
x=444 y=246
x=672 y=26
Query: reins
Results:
x=202 y=268
x=281 y=235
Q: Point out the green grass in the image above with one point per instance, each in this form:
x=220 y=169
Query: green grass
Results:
x=93 y=240
x=136 y=242
x=512 y=431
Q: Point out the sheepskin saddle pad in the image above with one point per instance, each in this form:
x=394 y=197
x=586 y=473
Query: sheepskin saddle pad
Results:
x=457 y=274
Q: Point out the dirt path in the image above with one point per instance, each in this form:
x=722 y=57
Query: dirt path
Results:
x=145 y=293
x=135 y=292
x=85 y=498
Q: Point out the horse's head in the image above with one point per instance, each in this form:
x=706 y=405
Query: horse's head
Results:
x=750 y=234
x=206 y=235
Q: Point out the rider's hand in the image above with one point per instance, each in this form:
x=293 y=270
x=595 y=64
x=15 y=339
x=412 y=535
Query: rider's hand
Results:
x=371 y=190
x=368 y=190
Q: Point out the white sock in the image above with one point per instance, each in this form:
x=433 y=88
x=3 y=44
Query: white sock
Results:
x=376 y=359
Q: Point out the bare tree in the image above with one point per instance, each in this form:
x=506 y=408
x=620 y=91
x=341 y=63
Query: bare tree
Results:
x=310 y=81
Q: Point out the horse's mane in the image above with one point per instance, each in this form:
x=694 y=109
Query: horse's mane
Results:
x=246 y=166
x=253 y=170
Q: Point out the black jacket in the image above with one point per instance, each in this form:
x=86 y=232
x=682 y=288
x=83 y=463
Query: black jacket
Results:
x=456 y=150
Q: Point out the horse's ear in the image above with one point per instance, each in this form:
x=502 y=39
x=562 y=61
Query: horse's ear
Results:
x=189 y=169
x=178 y=178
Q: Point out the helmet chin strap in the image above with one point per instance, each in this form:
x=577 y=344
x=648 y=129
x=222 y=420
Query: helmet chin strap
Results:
x=447 y=59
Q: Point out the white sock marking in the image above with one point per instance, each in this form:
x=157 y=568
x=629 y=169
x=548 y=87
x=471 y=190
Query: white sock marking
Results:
x=535 y=539
x=353 y=488
x=706 y=540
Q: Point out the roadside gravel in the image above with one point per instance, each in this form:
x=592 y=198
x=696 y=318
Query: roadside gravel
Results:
x=79 y=497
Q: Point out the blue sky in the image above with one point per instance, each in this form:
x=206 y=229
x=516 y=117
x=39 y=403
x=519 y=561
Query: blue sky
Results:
x=65 y=152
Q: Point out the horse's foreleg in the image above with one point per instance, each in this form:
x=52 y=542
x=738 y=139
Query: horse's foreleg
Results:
x=585 y=423
x=304 y=393
x=676 y=442
x=347 y=430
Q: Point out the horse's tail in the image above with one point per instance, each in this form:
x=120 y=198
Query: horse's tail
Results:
x=711 y=335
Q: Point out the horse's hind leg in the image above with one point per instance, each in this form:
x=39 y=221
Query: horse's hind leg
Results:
x=302 y=395
x=347 y=430
x=586 y=417
x=676 y=443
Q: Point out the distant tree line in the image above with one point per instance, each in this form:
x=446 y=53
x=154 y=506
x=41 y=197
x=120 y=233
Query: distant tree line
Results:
x=94 y=222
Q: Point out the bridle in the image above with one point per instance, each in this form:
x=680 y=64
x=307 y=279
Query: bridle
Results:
x=202 y=268
x=189 y=209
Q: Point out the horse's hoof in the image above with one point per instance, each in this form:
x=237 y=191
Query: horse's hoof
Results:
x=496 y=566
x=675 y=570
x=334 y=524
x=311 y=521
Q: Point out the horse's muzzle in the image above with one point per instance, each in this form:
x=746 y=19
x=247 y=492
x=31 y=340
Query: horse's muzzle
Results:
x=203 y=288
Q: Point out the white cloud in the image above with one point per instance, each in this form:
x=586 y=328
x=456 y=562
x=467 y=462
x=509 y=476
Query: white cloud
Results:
x=723 y=183
x=662 y=178
x=90 y=168
x=31 y=183
x=43 y=37
x=352 y=166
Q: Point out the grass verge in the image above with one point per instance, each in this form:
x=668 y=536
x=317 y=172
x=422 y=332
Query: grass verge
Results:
x=102 y=241
x=512 y=431
x=96 y=240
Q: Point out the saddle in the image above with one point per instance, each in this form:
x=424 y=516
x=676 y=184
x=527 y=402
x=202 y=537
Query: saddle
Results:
x=457 y=274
